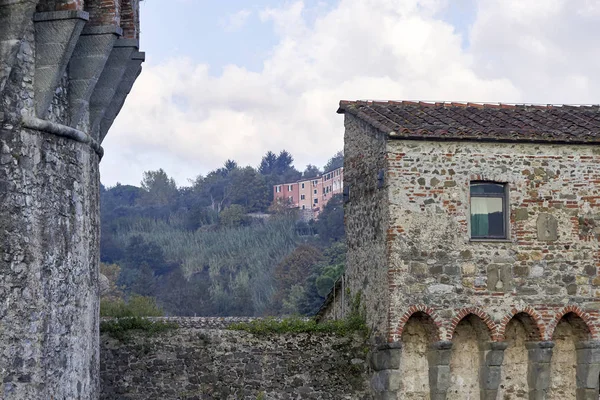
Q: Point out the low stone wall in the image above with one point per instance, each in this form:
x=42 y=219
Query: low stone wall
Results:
x=202 y=360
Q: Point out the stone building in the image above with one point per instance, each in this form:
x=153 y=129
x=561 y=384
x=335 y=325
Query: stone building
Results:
x=66 y=67
x=472 y=234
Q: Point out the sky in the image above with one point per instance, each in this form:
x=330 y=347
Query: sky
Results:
x=234 y=79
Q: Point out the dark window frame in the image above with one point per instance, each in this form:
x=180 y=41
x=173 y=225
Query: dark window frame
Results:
x=505 y=209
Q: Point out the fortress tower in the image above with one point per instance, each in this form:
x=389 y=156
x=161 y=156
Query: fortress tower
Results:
x=473 y=235
x=66 y=67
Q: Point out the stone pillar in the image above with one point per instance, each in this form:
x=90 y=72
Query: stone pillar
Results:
x=439 y=369
x=588 y=369
x=385 y=361
x=538 y=370
x=491 y=358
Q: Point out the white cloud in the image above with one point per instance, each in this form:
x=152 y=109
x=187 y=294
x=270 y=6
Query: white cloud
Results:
x=236 y=21
x=187 y=121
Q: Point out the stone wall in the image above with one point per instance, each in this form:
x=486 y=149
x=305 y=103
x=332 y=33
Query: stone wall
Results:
x=551 y=187
x=461 y=295
x=366 y=220
x=201 y=360
x=49 y=191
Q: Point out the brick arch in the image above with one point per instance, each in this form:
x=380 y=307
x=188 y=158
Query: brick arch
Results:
x=420 y=308
x=536 y=331
x=478 y=312
x=571 y=309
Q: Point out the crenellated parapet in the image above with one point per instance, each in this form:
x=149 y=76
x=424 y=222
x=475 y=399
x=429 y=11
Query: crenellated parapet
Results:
x=66 y=68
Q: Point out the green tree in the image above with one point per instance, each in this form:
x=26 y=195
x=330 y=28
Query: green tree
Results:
x=311 y=171
x=293 y=270
x=268 y=164
x=335 y=162
x=233 y=216
x=160 y=190
x=330 y=224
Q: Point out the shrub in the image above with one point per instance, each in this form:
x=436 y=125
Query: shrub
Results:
x=137 y=306
x=122 y=328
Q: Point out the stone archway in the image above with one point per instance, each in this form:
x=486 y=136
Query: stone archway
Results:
x=418 y=334
x=513 y=382
x=468 y=337
x=569 y=331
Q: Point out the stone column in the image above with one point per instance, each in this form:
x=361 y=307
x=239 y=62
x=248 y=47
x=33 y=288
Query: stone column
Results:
x=588 y=369
x=538 y=370
x=439 y=369
x=385 y=361
x=491 y=358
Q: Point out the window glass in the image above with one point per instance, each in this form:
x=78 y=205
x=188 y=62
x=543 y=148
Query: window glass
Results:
x=487 y=188
x=488 y=210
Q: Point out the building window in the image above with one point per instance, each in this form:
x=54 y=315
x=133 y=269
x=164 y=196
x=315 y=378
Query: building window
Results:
x=315 y=191
x=488 y=210
x=303 y=186
x=316 y=201
x=302 y=197
x=304 y=207
x=278 y=189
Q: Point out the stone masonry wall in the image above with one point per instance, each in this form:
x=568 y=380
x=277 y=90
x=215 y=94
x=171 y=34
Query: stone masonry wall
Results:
x=461 y=294
x=199 y=361
x=549 y=264
x=366 y=223
x=49 y=191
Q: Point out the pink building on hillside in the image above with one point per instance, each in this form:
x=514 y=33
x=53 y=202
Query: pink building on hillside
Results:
x=311 y=195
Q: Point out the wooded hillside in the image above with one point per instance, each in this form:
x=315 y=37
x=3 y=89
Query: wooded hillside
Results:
x=217 y=247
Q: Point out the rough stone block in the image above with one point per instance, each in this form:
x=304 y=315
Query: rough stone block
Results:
x=586 y=394
x=439 y=378
x=587 y=376
x=386 y=359
x=499 y=277
x=387 y=380
x=547 y=227
x=489 y=378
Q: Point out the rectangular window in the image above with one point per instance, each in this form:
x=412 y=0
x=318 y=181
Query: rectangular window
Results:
x=316 y=201
x=290 y=187
x=278 y=189
x=302 y=197
x=315 y=191
x=488 y=210
x=303 y=186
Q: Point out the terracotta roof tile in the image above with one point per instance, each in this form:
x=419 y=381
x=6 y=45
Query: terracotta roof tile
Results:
x=480 y=121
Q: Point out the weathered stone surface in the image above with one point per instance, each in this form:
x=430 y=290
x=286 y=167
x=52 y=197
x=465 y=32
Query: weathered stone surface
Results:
x=410 y=249
x=547 y=227
x=49 y=219
x=197 y=363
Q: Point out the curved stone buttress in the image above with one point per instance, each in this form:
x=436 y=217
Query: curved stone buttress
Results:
x=55 y=55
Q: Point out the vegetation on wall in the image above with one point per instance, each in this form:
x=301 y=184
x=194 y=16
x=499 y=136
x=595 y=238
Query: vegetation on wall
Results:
x=216 y=248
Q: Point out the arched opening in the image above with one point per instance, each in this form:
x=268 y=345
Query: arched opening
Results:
x=417 y=336
x=470 y=333
x=513 y=381
x=570 y=330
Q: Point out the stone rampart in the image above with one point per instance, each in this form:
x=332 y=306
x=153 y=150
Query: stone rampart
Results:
x=201 y=360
